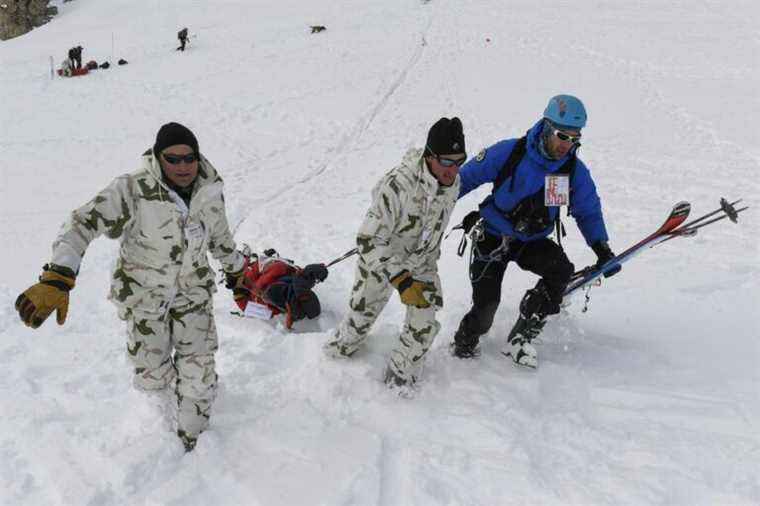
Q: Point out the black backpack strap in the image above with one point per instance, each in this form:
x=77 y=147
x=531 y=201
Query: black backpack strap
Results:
x=559 y=230
x=567 y=168
x=513 y=160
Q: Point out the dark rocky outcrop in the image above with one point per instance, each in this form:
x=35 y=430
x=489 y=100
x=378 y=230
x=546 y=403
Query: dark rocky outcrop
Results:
x=19 y=16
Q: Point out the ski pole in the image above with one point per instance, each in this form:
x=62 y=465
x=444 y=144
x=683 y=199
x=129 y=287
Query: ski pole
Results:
x=690 y=229
x=725 y=206
x=343 y=257
x=733 y=217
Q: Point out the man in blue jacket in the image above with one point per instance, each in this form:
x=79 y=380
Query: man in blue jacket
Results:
x=532 y=177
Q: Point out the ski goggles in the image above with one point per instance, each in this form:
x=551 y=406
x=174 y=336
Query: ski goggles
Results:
x=448 y=162
x=177 y=159
x=575 y=139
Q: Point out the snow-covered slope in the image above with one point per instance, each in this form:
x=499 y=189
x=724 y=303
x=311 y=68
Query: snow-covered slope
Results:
x=651 y=397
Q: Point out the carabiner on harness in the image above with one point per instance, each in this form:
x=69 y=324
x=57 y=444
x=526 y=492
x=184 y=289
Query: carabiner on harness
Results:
x=587 y=294
x=495 y=255
x=476 y=233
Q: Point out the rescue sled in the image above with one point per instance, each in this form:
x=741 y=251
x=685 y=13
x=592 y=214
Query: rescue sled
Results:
x=75 y=72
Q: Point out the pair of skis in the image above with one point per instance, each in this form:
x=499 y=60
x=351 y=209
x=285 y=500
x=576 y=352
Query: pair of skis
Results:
x=673 y=227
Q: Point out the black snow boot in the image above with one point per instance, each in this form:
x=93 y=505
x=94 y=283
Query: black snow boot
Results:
x=464 y=344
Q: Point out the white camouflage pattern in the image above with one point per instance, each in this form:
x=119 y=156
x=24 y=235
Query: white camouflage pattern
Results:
x=162 y=282
x=402 y=230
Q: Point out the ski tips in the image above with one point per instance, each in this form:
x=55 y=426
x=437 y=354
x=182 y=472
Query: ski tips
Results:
x=726 y=210
x=682 y=207
x=673 y=227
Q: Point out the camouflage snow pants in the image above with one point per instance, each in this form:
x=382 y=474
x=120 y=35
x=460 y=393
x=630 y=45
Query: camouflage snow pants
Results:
x=190 y=333
x=369 y=296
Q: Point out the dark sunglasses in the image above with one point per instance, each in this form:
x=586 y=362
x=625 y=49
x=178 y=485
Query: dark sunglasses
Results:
x=575 y=139
x=448 y=162
x=177 y=159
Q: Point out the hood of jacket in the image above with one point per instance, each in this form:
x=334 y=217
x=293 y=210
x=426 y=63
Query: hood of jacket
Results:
x=534 y=152
x=414 y=163
x=207 y=174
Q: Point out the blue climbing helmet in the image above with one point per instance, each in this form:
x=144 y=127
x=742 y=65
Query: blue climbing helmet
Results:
x=566 y=112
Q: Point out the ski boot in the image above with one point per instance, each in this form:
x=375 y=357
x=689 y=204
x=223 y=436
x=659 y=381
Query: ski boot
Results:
x=467 y=337
x=463 y=345
x=464 y=350
x=535 y=306
x=519 y=347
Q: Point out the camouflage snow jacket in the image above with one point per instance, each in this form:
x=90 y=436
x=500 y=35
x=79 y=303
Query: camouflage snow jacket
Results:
x=164 y=245
x=404 y=225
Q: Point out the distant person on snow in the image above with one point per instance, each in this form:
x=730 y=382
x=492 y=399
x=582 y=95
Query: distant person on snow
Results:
x=273 y=285
x=532 y=177
x=399 y=244
x=75 y=55
x=182 y=36
x=168 y=215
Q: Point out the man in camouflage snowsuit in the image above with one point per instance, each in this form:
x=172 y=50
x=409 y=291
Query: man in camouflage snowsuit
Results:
x=399 y=244
x=168 y=215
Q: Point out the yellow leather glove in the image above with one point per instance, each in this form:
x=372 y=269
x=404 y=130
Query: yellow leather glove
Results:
x=41 y=299
x=411 y=290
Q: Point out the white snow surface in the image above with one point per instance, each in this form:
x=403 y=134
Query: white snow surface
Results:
x=650 y=397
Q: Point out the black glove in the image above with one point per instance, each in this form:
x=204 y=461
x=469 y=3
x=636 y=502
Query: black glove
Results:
x=470 y=221
x=235 y=281
x=315 y=272
x=603 y=255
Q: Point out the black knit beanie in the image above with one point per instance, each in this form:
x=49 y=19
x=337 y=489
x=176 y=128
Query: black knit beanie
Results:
x=446 y=137
x=172 y=134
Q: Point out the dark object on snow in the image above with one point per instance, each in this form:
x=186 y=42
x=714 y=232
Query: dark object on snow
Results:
x=92 y=65
x=105 y=65
x=317 y=28
x=315 y=272
x=122 y=61
x=182 y=36
x=75 y=55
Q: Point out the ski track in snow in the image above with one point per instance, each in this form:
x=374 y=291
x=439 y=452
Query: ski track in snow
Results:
x=649 y=398
x=345 y=141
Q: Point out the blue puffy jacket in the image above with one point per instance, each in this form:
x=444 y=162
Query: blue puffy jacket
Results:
x=529 y=176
